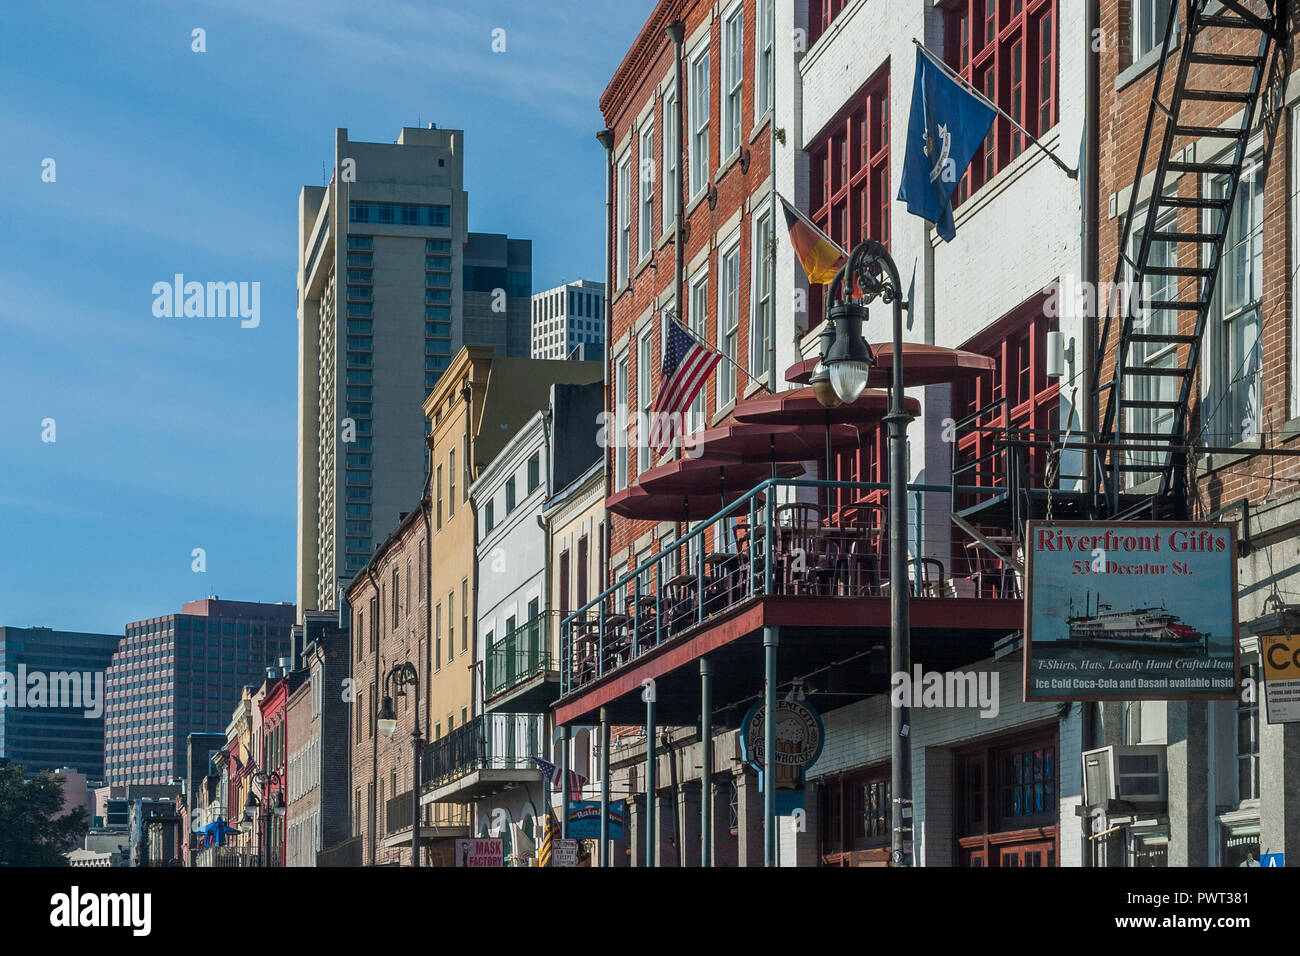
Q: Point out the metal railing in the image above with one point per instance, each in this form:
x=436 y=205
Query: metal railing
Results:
x=488 y=742
x=397 y=813
x=234 y=856
x=521 y=654
x=798 y=537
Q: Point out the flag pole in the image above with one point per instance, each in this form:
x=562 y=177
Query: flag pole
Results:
x=1072 y=173
x=672 y=314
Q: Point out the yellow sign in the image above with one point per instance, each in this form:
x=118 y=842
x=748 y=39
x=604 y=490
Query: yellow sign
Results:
x=1280 y=656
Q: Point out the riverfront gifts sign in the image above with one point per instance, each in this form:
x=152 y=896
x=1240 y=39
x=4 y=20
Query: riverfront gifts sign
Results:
x=1135 y=610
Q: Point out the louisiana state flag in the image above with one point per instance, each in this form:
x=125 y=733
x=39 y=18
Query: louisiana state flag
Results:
x=946 y=127
x=819 y=254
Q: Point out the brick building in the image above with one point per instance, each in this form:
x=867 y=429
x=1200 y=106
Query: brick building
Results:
x=319 y=713
x=722 y=171
x=1228 y=801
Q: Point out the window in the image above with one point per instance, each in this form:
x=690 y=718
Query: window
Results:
x=437 y=635
x=1155 y=388
x=1248 y=736
x=451 y=483
x=510 y=494
x=733 y=58
x=820 y=15
x=698 y=159
x=437 y=510
x=669 y=165
x=1007 y=51
x=620 y=423
x=1147 y=22
x=645 y=215
x=763 y=57
x=699 y=322
x=464 y=614
x=397 y=604
x=644 y=357
x=489 y=517
x=534 y=472
x=1234 y=412
x=761 y=312
x=401 y=214
x=624 y=228
x=451 y=624
x=728 y=320
x=850 y=193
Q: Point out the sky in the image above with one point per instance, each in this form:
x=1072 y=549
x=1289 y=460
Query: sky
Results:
x=129 y=440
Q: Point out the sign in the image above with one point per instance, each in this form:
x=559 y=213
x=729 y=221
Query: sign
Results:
x=584 y=820
x=1280 y=656
x=1130 y=610
x=564 y=852
x=1271 y=859
x=799 y=739
x=480 y=852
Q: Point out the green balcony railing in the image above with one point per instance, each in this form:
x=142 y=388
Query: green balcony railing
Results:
x=523 y=653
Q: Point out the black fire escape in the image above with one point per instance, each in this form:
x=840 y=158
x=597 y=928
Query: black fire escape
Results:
x=1133 y=396
x=1140 y=451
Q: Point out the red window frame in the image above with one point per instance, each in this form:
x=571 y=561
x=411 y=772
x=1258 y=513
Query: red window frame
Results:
x=1010 y=55
x=821 y=13
x=1018 y=347
x=849 y=195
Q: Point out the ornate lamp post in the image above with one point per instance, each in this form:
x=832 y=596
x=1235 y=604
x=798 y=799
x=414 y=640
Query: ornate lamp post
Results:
x=404 y=675
x=846 y=363
x=265 y=778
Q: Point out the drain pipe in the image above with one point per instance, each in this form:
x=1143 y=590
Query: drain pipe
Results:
x=1089 y=162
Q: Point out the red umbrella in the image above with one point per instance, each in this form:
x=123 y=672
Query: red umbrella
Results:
x=767 y=442
x=636 y=502
x=799 y=406
x=922 y=365
x=699 y=476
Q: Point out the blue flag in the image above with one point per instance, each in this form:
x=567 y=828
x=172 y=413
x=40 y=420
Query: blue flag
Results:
x=947 y=125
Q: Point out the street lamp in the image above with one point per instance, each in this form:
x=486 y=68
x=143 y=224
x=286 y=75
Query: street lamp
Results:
x=872 y=273
x=404 y=675
x=277 y=808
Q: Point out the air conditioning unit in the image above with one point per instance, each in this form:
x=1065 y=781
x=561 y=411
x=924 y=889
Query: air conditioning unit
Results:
x=1133 y=773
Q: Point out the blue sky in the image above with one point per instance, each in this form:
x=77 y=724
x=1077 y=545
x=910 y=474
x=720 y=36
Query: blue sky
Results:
x=176 y=434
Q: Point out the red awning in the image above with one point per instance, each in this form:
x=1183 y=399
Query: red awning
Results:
x=769 y=442
x=799 y=407
x=636 y=502
x=704 y=478
x=922 y=365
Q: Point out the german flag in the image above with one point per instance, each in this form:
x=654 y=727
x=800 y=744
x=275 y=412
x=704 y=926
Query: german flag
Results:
x=819 y=254
x=549 y=833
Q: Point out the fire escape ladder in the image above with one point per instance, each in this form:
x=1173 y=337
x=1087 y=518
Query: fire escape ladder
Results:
x=1146 y=404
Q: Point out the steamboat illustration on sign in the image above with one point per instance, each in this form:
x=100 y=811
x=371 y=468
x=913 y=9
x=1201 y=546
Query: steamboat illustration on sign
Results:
x=1153 y=630
x=1130 y=611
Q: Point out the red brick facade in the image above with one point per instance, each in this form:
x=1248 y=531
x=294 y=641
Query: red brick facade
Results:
x=1122 y=122
x=737 y=193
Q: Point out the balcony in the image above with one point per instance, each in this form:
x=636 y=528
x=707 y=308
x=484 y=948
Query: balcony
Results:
x=233 y=856
x=807 y=556
x=483 y=756
x=521 y=669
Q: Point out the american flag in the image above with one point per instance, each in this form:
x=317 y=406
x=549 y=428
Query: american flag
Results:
x=552 y=774
x=686 y=367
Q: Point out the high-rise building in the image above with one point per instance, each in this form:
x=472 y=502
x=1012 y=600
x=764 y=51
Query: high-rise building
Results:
x=183 y=673
x=52 y=698
x=391 y=284
x=568 y=317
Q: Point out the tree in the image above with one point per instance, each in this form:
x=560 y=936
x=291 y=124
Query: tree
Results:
x=32 y=831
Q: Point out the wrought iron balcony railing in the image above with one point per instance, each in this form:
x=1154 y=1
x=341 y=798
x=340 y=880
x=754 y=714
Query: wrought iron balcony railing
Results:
x=488 y=742
x=523 y=653
x=800 y=537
